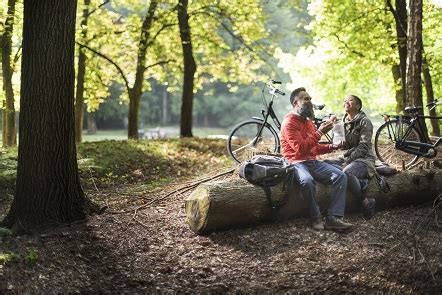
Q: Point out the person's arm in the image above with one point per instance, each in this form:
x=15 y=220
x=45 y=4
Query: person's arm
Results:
x=364 y=144
x=304 y=146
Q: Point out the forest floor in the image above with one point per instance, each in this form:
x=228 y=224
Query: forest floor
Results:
x=142 y=244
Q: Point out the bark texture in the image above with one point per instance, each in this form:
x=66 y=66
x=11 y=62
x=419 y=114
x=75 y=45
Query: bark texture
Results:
x=235 y=202
x=414 y=53
x=48 y=190
x=136 y=91
x=9 y=129
x=189 y=70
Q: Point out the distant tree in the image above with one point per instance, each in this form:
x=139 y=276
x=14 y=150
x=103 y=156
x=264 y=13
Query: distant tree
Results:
x=189 y=70
x=81 y=73
x=9 y=129
x=48 y=190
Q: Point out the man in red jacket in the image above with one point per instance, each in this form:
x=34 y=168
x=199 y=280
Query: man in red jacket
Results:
x=300 y=146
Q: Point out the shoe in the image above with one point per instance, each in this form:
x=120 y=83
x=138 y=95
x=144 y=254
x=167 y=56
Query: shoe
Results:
x=317 y=224
x=336 y=224
x=368 y=211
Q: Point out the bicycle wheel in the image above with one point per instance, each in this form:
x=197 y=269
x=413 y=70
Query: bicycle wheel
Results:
x=243 y=142
x=385 y=140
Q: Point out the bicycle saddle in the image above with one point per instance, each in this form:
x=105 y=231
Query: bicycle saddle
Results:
x=413 y=109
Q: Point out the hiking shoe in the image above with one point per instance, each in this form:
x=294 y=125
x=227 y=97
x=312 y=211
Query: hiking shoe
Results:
x=317 y=224
x=368 y=211
x=336 y=224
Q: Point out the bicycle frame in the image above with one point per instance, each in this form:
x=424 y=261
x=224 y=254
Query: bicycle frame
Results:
x=418 y=148
x=270 y=112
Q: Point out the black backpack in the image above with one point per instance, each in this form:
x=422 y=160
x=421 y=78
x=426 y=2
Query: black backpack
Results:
x=268 y=171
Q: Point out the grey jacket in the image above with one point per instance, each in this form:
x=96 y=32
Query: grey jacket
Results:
x=358 y=134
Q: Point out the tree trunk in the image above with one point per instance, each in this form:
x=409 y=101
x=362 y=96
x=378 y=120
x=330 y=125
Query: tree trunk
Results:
x=414 y=51
x=189 y=70
x=401 y=35
x=399 y=89
x=91 y=124
x=136 y=91
x=9 y=129
x=81 y=71
x=435 y=130
x=48 y=190
x=235 y=202
x=165 y=107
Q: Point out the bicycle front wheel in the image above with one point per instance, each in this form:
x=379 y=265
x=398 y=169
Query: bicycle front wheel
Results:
x=385 y=143
x=246 y=140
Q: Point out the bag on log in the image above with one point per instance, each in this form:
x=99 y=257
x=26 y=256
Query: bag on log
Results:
x=268 y=171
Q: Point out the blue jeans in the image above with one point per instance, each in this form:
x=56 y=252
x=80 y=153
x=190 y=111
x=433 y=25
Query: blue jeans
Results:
x=357 y=176
x=308 y=172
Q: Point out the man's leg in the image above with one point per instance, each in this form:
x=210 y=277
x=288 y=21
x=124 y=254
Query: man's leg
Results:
x=308 y=188
x=331 y=175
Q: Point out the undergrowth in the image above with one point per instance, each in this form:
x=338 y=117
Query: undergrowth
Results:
x=150 y=163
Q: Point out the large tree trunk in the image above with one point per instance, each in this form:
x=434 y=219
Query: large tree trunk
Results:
x=136 y=91
x=189 y=70
x=81 y=71
x=9 y=129
x=414 y=51
x=48 y=190
x=235 y=202
x=435 y=130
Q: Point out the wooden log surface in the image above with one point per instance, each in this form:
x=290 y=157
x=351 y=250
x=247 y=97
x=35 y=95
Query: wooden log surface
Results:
x=235 y=202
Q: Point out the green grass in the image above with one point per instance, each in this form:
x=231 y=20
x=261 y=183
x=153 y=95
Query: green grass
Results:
x=146 y=163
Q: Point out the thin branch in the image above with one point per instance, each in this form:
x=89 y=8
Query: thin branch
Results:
x=159 y=63
x=347 y=47
x=158 y=32
x=126 y=81
x=98 y=7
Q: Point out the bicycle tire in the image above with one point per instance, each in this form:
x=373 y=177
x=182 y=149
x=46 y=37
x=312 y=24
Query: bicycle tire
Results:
x=385 y=143
x=241 y=143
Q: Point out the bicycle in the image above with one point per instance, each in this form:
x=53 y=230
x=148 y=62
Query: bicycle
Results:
x=257 y=134
x=401 y=141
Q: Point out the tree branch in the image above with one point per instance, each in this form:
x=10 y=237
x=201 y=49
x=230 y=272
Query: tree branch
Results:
x=348 y=48
x=158 y=33
x=158 y=63
x=98 y=7
x=126 y=81
x=396 y=17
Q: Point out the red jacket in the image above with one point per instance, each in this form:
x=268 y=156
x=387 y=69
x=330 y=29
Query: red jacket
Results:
x=299 y=139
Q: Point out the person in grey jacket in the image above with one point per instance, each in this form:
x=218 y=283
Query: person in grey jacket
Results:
x=359 y=160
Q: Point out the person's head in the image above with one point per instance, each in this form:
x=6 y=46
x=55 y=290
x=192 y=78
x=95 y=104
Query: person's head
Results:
x=301 y=103
x=352 y=104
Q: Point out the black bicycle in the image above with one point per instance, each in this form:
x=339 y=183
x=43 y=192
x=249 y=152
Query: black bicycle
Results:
x=401 y=140
x=257 y=135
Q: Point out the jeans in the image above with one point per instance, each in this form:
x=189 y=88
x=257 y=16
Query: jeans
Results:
x=357 y=176
x=308 y=172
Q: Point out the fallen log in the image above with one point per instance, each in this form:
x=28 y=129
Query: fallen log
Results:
x=235 y=202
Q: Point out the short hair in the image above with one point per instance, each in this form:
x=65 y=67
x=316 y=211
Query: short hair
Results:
x=295 y=93
x=358 y=100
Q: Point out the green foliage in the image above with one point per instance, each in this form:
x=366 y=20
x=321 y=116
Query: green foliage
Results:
x=9 y=257
x=31 y=256
x=146 y=161
x=354 y=51
x=8 y=167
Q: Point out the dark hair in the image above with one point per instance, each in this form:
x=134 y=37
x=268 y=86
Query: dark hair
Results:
x=358 y=100
x=295 y=93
